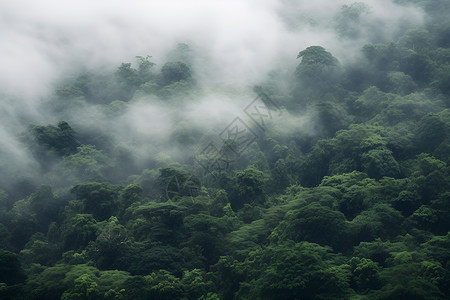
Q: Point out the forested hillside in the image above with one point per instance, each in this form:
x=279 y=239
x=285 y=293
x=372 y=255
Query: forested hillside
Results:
x=328 y=179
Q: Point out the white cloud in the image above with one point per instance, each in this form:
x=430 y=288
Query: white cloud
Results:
x=236 y=43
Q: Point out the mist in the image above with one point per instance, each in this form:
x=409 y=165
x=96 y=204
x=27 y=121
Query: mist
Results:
x=235 y=45
x=224 y=149
x=236 y=40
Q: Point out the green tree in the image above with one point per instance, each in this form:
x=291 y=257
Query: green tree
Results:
x=175 y=183
x=371 y=102
x=418 y=66
x=87 y=164
x=380 y=221
x=164 y=285
x=437 y=248
x=250 y=185
x=84 y=287
x=132 y=193
x=378 y=163
x=317 y=73
x=228 y=275
x=46 y=205
x=295 y=270
x=11 y=271
x=431 y=132
x=40 y=250
x=418 y=40
x=316 y=57
x=175 y=71
x=206 y=233
x=430 y=177
x=197 y=283
x=142 y=258
x=314 y=223
x=407 y=281
x=144 y=68
x=99 y=199
x=365 y=274
x=157 y=221
x=52 y=282
x=378 y=251
x=400 y=83
x=59 y=139
x=128 y=79
x=78 y=231
x=112 y=241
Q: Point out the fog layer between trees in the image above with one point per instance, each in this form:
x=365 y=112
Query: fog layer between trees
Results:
x=224 y=150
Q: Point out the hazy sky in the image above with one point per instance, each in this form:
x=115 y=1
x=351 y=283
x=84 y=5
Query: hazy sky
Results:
x=235 y=43
x=237 y=39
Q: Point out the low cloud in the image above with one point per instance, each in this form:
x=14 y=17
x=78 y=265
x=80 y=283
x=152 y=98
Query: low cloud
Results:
x=235 y=45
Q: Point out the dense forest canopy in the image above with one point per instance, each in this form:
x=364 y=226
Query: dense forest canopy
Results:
x=277 y=149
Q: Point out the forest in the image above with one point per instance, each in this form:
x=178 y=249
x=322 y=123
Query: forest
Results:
x=329 y=178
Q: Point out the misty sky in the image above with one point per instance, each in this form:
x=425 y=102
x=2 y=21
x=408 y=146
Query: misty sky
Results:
x=235 y=43
x=236 y=39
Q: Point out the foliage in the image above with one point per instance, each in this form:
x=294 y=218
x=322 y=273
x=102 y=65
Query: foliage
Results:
x=346 y=197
